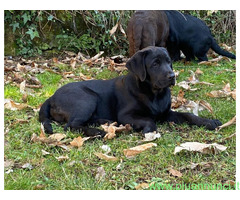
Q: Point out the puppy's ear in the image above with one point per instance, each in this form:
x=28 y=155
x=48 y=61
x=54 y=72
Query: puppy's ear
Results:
x=136 y=64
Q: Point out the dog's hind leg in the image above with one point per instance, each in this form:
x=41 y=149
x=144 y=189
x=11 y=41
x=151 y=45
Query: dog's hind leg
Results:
x=80 y=118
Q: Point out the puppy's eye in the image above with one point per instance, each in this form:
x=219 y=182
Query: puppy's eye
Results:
x=168 y=60
x=156 y=63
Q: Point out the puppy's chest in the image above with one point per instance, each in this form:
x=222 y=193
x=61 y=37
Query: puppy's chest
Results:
x=158 y=104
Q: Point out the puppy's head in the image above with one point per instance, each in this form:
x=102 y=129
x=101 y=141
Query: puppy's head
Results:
x=153 y=64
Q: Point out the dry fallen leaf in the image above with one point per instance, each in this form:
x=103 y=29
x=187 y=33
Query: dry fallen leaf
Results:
x=196 y=106
x=113 y=30
x=229 y=137
x=225 y=92
x=42 y=131
x=175 y=173
x=106 y=148
x=193 y=80
x=206 y=105
x=78 y=142
x=110 y=133
x=106 y=157
x=230 y=182
x=229 y=123
x=203 y=165
x=62 y=158
x=100 y=174
x=22 y=87
x=214 y=61
x=73 y=63
x=45 y=152
x=198 y=71
x=27 y=166
x=10 y=104
x=131 y=152
x=112 y=129
x=57 y=136
x=52 y=140
x=142 y=186
x=200 y=147
x=8 y=164
x=122 y=30
x=151 y=136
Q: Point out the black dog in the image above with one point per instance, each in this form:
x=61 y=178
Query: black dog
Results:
x=192 y=36
x=140 y=98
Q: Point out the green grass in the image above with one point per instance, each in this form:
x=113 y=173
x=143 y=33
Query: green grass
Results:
x=152 y=165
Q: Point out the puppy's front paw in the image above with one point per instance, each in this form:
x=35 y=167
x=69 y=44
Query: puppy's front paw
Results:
x=94 y=132
x=213 y=124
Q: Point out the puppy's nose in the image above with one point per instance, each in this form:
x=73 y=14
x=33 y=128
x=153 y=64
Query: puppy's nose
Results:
x=171 y=76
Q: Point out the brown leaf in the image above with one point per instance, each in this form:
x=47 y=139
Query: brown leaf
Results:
x=112 y=129
x=179 y=100
x=230 y=182
x=45 y=152
x=151 y=136
x=10 y=104
x=229 y=137
x=110 y=133
x=225 y=92
x=113 y=30
x=203 y=165
x=206 y=105
x=122 y=30
x=42 y=132
x=22 y=86
x=175 y=173
x=233 y=94
x=229 y=123
x=198 y=71
x=85 y=78
x=100 y=174
x=142 y=186
x=185 y=85
x=8 y=164
x=97 y=56
x=55 y=60
x=200 y=147
x=73 y=63
x=27 y=166
x=131 y=152
x=62 y=158
x=106 y=157
x=20 y=67
x=78 y=142
x=57 y=136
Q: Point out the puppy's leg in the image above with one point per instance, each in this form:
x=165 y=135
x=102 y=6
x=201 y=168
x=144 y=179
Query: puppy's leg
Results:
x=82 y=115
x=139 y=123
x=191 y=119
x=201 y=49
x=77 y=124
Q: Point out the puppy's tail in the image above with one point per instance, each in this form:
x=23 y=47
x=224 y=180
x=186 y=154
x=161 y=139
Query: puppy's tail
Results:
x=220 y=51
x=45 y=117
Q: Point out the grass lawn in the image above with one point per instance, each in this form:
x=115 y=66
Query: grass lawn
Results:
x=79 y=171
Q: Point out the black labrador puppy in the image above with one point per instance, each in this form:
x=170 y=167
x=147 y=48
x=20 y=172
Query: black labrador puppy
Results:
x=192 y=36
x=140 y=98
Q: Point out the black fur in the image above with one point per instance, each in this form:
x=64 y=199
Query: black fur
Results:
x=192 y=36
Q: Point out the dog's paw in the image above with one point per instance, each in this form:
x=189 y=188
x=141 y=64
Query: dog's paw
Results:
x=94 y=132
x=213 y=124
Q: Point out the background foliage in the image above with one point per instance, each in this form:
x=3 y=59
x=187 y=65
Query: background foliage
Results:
x=41 y=32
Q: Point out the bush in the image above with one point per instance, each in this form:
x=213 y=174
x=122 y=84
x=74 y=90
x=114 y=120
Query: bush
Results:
x=33 y=33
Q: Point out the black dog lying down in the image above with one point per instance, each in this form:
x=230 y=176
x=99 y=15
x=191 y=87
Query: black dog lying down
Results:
x=140 y=98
